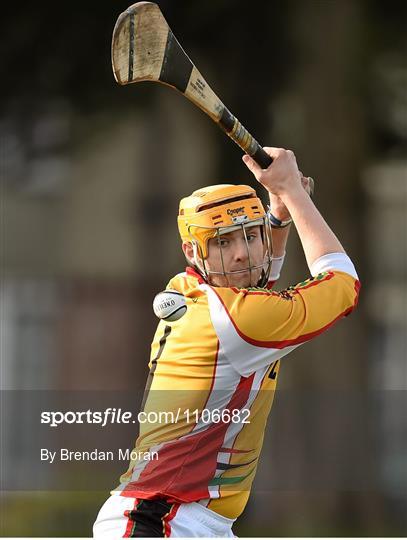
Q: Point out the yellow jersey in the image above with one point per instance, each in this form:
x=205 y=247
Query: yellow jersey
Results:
x=214 y=374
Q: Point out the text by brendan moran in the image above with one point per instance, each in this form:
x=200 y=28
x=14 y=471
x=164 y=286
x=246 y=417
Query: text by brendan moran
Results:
x=65 y=454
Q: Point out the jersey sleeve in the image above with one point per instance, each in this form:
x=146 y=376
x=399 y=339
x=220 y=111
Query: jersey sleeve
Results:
x=258 y=326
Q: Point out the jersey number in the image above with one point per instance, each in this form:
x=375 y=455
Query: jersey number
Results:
x=163 y=340
x=273 y=373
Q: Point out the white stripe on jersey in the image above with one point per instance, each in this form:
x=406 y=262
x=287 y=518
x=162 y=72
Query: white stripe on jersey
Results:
x=243 y=356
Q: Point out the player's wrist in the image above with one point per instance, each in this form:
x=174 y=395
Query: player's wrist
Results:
x=293 y=196
x=277 y=208
x=277 y=222
x=279 y=211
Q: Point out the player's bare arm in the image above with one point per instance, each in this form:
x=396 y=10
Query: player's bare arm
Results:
x=280 y=215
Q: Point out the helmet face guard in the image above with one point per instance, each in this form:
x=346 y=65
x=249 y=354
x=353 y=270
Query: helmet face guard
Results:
x=253 y=269
x=216 y=210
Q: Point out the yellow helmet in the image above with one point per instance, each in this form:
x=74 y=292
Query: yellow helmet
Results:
x=219 y=209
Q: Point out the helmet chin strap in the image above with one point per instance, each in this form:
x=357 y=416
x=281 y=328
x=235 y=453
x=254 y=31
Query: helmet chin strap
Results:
x=197 y=261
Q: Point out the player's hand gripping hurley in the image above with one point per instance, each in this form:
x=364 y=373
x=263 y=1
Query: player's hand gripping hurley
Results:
x=145 y=49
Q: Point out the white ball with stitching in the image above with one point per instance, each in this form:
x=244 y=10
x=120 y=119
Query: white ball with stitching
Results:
x=169 y=305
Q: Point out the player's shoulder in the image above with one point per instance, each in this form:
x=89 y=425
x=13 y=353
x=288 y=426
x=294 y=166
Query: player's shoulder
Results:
x=187 y=283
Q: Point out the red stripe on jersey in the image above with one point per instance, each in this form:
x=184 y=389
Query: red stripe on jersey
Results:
x=130 y=523
x=358 y=286
x=233 y=451
x=167 y=518
x=185 y=466
x=300 y=339
x=192 y=272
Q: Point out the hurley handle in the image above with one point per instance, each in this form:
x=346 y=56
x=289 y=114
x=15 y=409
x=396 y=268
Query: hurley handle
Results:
x=261 y=157
x=239 y=134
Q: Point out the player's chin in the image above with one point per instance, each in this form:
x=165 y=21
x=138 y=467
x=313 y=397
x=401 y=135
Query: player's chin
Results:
x=240 y=280
x=245 y=279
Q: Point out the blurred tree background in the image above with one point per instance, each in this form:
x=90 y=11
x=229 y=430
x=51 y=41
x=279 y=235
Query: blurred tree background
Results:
x=91 y=176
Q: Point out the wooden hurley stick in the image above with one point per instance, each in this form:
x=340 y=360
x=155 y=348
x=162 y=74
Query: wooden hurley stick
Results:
x=145 y=49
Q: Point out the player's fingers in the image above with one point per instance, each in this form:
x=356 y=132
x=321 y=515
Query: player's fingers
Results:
x=274 y=152
x=252 y=165
x=270 y=150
